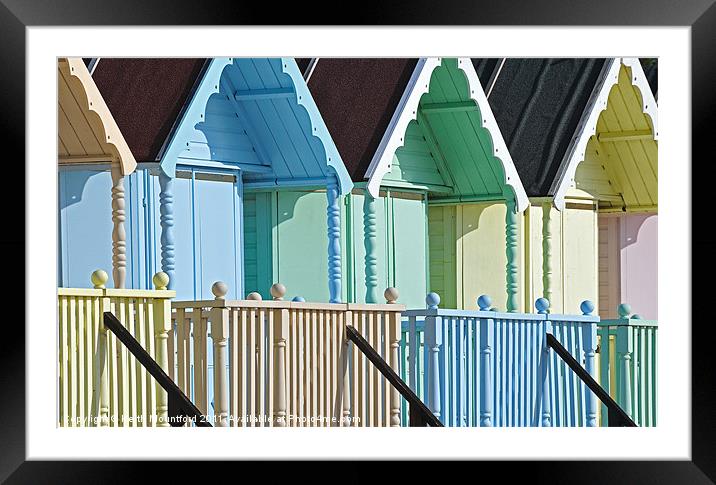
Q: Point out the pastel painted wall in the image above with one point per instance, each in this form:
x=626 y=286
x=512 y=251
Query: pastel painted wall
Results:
x=401 y=237
x=629 y=263
x=467 y=254
x=574 y=256
x=206 y=214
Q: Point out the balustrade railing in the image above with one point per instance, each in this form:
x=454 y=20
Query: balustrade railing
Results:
x=100 y=382
x=486 y=368
x=283 y=363
x=628 y=364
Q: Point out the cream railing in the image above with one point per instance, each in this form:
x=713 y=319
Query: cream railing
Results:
x=281 y=363
x=100 y=382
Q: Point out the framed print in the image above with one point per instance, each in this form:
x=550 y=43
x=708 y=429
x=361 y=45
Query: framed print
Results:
x=368 y=228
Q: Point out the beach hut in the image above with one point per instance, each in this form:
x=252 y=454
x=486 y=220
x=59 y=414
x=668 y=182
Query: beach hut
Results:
x=93 y=161
x=239 y=180
x=438 y=199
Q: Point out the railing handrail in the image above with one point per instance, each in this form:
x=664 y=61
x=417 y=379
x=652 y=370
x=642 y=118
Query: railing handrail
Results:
x=536 y=317
x=617 y=415
x=631 y=322
x=288 y=305
x=392 y=377
x=175 y=396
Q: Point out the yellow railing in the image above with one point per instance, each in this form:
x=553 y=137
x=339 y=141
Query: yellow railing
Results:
x=100 y=382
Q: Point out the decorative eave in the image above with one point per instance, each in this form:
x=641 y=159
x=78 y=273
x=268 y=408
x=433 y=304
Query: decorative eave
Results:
x=407 y=109
x=588 y=124
x=178 y=145
x=96 y=113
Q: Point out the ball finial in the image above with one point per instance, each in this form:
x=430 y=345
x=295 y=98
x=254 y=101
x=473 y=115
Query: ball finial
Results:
x=277 y=291
x=255 y=296
x=391 y=294
x=624 y=310
x=299 y=299
x=432 y=300
x=99 y=278
x=484 y=302
x=161 y=281
x=219 y=289
x=587 y=307
x=542 y=305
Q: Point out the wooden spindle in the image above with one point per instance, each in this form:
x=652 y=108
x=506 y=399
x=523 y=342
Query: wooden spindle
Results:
x=543 y=308
x=166 y=221
x=511 y=252
x=433 y=331
x=99 y=280
x=119 y=237
x=547 y=251
x=625 y=349
x=370 y=243
x=334 y=241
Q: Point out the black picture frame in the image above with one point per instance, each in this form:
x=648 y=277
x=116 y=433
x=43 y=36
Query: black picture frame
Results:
x=700 y=15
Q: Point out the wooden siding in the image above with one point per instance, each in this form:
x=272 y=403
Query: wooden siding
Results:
x=87 y=132
x=401 y=247
x=609 y=280
x=446 y=146
x=257 y=114
x=620 y=165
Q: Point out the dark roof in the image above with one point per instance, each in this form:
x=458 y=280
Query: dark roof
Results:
x=651 y=67
x=146 y=97
x=537 y=104
x=303 y=63
x=357 y=98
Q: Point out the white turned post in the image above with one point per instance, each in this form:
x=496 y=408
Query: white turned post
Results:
x=119 y=237
x=220 y=336
x=99 y=281
x=162 y=326
x=391 y=296
x=280 y=331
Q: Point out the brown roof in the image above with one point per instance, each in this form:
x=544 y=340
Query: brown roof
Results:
x=146 y=97
x=357 y=99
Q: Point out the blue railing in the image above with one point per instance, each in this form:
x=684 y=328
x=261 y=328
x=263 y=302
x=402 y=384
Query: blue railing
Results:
x=486 y=368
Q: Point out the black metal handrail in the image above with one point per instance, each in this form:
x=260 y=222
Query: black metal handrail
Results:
x=617 y=416
x=419 y=413
x=179 y=404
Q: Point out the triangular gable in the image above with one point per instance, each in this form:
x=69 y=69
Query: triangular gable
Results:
x=416 y=110
x=258 y=115
x=87 y=132
x=622 y=147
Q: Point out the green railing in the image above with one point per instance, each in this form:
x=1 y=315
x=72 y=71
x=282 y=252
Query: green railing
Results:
x=628 y=365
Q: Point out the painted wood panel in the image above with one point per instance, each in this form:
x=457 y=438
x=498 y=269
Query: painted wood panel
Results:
x=609 y=267
x=579 y=256
x=442 y=244
x=481 y=258
x=85 y=227
x=620 y=167
x=409 y=249
x=639 y=263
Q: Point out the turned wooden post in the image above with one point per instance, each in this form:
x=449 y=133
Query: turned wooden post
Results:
x=220 y=335
x=543 y=308
x=433 y=342
x=589 y=343
x=166 y=221
x=625 y=348
x=162 y=326
x=99 y=281
x=334 y=241
x=487 y=340
x=280 y=332
x=547 y=251
x=511 y=252
x=391 y=296
x=369 y=241
x=119 y=237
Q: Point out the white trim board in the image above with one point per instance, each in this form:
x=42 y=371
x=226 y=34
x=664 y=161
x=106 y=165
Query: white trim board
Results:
x=588 y=124
x=406 y=111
